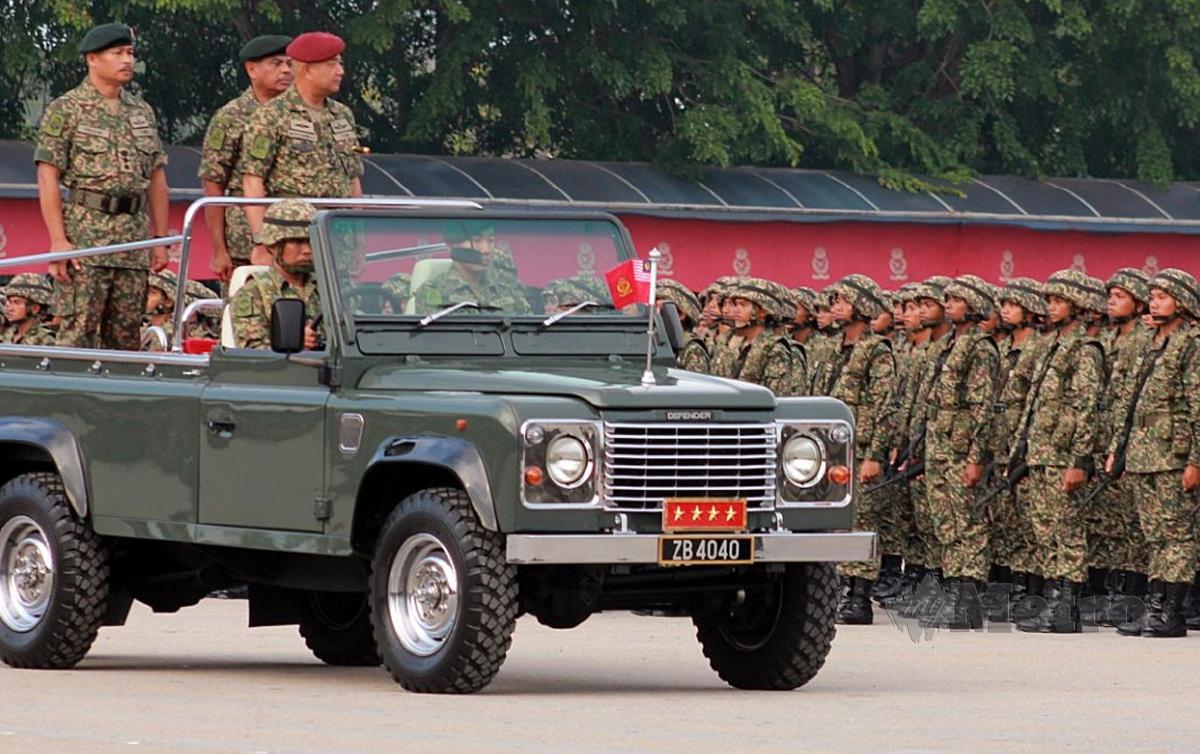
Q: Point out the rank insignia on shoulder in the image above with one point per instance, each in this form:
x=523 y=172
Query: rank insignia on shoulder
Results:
x=216 y=138
x=54 y=124
x=260 y=147
x=433 y=297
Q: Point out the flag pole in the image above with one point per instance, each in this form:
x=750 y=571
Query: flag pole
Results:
x=648 y=375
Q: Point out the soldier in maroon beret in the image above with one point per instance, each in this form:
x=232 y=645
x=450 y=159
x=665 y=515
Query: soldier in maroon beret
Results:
x=303 y=143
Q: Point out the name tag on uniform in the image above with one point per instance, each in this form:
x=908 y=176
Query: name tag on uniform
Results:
x=342 y=130
x=100 y=133
x=299 y=128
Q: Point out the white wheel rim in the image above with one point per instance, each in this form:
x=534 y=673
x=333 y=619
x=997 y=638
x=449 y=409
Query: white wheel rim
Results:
x=26 y=574
x=423 y=594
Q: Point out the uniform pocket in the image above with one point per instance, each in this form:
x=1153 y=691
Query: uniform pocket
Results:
x=92 y=157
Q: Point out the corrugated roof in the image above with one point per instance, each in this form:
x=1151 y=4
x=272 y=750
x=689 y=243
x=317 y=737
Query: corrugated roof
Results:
x=746 y=193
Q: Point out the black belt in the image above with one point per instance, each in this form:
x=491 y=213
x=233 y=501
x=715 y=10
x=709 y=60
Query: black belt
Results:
x=107 y=203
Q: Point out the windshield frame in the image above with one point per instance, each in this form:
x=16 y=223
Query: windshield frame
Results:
x=347 y=323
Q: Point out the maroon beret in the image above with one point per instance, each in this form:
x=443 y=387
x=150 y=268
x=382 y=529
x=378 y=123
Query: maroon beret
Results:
x=315 y=46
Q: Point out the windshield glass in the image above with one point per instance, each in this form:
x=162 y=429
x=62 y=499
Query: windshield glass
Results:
x=415 y=267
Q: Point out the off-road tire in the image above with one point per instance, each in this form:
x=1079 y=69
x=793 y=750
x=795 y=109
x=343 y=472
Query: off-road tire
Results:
x=79 y=597
x=472 y=652
x=792 y=640
x=336 y=628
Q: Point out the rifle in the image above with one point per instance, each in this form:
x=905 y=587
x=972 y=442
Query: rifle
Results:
x=909 y=473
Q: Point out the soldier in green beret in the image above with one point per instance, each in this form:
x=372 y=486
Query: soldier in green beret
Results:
x=101 y=143
x=268 y=68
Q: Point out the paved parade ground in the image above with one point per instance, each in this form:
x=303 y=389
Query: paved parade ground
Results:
x=199 y=681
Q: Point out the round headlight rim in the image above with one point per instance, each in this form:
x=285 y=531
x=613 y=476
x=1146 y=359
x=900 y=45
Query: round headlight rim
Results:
x=821 y=460
x=588 y=463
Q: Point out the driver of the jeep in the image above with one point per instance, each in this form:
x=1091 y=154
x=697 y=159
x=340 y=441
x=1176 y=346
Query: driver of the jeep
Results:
x=481 y=272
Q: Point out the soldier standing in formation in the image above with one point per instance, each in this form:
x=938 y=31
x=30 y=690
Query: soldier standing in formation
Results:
x=268 y=68
x=101 y=143
x=754 y=351
x=303 y=143
x=694 y=355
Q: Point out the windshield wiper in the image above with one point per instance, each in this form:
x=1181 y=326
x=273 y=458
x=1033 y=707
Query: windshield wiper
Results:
x=430 y=318
x=554 y=318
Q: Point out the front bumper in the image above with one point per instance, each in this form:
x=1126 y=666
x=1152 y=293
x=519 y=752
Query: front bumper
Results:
x=600 y=549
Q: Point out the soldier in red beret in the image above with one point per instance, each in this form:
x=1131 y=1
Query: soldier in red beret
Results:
x=302 y=143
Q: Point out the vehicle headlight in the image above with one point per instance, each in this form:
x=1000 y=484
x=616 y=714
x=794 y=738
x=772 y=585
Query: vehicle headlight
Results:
x=568 y=461
x=801 y=459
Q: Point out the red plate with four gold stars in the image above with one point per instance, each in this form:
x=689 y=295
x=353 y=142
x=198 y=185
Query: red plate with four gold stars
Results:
x=704 y=515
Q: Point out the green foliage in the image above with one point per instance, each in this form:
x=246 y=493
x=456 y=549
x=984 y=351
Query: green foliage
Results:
x=896 y=88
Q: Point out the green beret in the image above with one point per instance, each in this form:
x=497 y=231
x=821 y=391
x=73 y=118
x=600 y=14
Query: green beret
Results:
x=100 y=38
x=264 y=47
x=462 y=230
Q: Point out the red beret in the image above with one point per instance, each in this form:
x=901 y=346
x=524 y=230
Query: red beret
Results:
x=315 y=46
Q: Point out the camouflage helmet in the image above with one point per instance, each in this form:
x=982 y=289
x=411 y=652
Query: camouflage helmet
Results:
x=1071 y=285
x=399 y=285
x=287 y=220
x=31 y=286
x=576 y=290
x=976 y=291
x=680 y=295
x=1026 y=293
x=907 y=292
x=1131 y=280
x=787 y=302
x=165 y=281
x=863 y=293
x=758 y=291
x=1181 y=286
x=197 y=291
x=719 y=287
x=806 y=297
x=933 y=288
x=1097 y=295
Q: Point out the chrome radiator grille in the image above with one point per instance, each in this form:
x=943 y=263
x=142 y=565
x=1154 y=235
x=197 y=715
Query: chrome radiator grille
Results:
x=646 y=463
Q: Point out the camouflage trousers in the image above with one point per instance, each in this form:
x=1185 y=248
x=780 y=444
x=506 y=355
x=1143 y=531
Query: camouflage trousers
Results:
x=1168 y=518
x=895 y=520
x=924 y=547
x=1058 y=524
x=103 y=308
x=1114 y=533
x=1010 y=534
x=866 y=518
x=957 y=519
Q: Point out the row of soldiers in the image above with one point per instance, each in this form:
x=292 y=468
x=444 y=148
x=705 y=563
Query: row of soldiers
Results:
x=284 y=136
x=1027 y=452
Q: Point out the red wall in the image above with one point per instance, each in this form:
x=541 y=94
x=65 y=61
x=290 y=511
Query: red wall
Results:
x=815 y=254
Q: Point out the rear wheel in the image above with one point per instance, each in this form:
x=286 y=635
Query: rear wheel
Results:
x=336 y=627
x=443 y=599
x=778 y=636
x=53 y=576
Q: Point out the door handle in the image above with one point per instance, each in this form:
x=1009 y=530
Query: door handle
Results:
x=222 y=427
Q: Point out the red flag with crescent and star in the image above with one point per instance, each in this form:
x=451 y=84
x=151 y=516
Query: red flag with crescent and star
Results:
x=629 y=283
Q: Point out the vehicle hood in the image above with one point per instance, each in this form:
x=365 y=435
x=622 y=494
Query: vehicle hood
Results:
x=604 y=387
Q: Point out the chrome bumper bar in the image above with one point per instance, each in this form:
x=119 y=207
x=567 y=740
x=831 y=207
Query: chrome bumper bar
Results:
x=772 y=547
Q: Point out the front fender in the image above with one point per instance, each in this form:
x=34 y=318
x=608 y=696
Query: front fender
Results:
x=59 y=444
x=456 y=456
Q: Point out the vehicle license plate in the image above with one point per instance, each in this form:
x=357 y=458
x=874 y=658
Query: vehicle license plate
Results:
x=700 y=549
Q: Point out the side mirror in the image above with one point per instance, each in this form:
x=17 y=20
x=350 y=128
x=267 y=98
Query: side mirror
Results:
x=673 y=325
x=287 y=326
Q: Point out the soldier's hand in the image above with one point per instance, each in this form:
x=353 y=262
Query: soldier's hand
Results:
x=1073 y=479
x=159 y=259
x=1191 y=477
x=221 y=265
x=1112 y=461
x=260 y=255
x=311 y=339
x=972 y=474
x=869 y=470
x=60 y=271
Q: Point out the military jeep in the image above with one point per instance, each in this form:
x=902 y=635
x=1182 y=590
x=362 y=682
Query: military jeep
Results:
x=436 y=470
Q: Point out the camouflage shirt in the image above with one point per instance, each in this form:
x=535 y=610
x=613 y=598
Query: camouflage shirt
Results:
x=105 y=153
x=1017 y=367
x=1164 y=434
x=1121 y=356
x=299 y=151
x=1062 y=412
x=498 y=287
x=221 y=163
x=862 y=375
x=38 y=335
x=960 y=400
x=764 y=360
x=694 y=355
x=251 y=306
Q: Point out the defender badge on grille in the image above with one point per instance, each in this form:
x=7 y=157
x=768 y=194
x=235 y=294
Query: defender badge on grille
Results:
x=689 y=416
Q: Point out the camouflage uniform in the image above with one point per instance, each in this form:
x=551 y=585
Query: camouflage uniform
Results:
x=694 y=356
x=301 y=152
x=1062 y=422
x=168 y=283
x=220 y=162
x=499 y=286
x=960 y=401
x=252 y=304
x=863 y=376
x=400 y=286
x=103 y=157
x=35 y=290
x=764 y=360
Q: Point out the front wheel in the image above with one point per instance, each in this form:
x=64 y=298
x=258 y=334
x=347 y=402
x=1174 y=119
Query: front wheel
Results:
x=443 y=599
x=53 y=576
x=779 y=635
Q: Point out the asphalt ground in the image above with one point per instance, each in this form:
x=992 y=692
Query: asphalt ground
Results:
x=199 y=681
